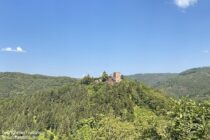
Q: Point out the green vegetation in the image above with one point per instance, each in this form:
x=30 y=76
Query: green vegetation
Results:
x=193 y=83
x=87 y=110
x=19 y=83
x=152 y=79
x=104 y=76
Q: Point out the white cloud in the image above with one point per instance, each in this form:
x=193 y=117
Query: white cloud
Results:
x=17 y=50
x=6 y=49
x=185 y=3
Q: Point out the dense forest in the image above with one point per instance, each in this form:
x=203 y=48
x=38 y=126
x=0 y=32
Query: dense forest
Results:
x=87 y=110
x=20 y=83
x=193 y=83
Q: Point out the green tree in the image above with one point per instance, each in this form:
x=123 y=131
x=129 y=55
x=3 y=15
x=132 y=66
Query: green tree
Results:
x=87 y=80
x=113 y=128
x=191 y=120
x=104 y=77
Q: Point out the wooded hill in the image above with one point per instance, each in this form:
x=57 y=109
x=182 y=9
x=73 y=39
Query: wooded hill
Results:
x=19 y=83
x=193 y=83
x=88 y=110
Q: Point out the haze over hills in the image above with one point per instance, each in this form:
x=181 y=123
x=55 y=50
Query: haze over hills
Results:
x=193 y=82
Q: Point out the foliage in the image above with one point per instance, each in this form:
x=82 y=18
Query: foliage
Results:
x=152 y=79
x=125 y=110
x=104 y=76
x=191 y=120
x=87 y=80
x=193 y=83
x=19 y=83
x=111 y=127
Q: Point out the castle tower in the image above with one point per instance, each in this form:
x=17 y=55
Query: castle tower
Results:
x=117 y=76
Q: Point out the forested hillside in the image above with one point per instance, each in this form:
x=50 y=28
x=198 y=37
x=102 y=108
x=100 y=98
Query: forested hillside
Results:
x=19 y=83
x=88 y=110
x=193 y=83
x=152 y=79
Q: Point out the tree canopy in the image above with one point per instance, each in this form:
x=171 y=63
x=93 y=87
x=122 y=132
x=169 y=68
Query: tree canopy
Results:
x=125 y=110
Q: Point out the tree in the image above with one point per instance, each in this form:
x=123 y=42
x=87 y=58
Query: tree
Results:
x=104 y=77
x=87 y=80
x=113 y=128
x=191 y=120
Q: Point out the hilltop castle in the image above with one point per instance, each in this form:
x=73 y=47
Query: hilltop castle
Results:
x=116 y=77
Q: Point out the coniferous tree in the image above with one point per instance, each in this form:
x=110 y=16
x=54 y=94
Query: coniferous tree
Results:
x=104 y=76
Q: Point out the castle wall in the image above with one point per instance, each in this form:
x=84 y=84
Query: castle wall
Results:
x=117 y=76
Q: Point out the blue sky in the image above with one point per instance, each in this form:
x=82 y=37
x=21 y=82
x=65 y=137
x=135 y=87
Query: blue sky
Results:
x=76 y=37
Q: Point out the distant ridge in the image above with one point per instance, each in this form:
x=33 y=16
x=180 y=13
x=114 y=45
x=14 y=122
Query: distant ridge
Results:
x=21 y=83
x=152 y=79
x=192 y=82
